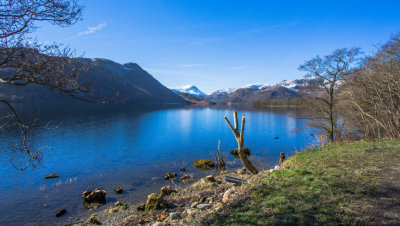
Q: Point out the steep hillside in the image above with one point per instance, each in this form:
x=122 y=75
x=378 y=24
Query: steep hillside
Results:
x=133 y=84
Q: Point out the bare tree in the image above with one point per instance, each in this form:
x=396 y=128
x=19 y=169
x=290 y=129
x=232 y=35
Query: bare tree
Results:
x=372 y=94
x=330 y=72
x=240 y=141
x=23 y=61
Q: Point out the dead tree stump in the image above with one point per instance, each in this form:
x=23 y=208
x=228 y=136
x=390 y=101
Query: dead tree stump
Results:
x=240 y=141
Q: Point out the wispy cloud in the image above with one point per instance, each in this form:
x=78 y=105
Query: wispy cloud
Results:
x=239 y=67
x=192 y=65
x=90 y=30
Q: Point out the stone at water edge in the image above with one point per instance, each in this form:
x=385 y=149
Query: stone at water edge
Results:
x=183 y=169
x=118 y=190
x=153 y=201
x=96 y=196
x=61 y=212
x=235 y=152
x=204 y=164
x=95 y=221
x=53 y=175
x=141 y=207
x=210 y=178
x=276 y=138
x=187 y=178
x=167 y=190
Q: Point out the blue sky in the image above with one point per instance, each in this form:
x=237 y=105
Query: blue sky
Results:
x=224 y=44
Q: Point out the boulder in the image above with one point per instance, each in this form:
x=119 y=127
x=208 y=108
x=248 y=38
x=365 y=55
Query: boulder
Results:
x=187 y=178
x=118 y=190
x=167 y=190
x=53 y=175
x=170 y=176
x=153 y=202
x=236 y=153
x=61 y=212
x=96 y=196
x=204 y=164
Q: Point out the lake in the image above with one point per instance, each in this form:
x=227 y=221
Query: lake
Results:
x=132 y=150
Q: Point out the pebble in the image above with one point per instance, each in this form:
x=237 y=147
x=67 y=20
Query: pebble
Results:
x=174 y=215
x=159 y=224
x=203 y=206
x=227 y=196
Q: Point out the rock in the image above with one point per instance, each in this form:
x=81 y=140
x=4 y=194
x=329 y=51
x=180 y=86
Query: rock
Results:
x=276 y=167
x=153 y=201
x=203 y=206
x=187 y=178
x=96 y=196
x=276 y=138
x=141 y=207
x=236 y=153
x=61 y=212
x=53 y=175
x=118 y=203
x=167 y=190
x=174 y=215
x=227 y=195
x=167 y=176
x=162 y=217
x=194 y=204
x=159 y=224
x=204 y=164
x=118 y=190
x=94 y=220
x=183 y=169
x=170 y=176
x=210 y=179
x=241 y=171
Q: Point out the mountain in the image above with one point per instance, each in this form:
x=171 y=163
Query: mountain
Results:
x=132 y=83
x=189 y=89
x=285 y=90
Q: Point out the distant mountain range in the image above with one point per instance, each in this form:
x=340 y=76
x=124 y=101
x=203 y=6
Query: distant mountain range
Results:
x=132 y=83
x=287 y=89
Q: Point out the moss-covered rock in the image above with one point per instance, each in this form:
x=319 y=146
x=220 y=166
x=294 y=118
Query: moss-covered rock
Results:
x=153 y=202
x=204 y=164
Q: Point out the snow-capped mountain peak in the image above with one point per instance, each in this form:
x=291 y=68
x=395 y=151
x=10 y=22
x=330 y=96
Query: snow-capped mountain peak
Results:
x=189 y=89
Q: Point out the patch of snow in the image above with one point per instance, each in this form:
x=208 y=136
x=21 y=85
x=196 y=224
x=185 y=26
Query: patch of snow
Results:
x=189 y=89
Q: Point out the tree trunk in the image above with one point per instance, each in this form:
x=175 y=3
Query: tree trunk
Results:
x=240 y=141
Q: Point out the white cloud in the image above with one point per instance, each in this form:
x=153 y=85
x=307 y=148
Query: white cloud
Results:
x=90 y=30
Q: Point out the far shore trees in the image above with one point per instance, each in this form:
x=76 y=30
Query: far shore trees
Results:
x=330 y=71
x=24 y=61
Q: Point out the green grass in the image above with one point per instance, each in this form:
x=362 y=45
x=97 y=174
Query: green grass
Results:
x=329 y=185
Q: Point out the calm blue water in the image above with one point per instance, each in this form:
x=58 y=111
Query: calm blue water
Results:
x=132 y=150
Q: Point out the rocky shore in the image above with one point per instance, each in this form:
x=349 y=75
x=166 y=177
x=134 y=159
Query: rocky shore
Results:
x=176 y=205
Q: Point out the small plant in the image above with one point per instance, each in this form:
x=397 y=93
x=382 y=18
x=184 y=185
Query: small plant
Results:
x=219 y=157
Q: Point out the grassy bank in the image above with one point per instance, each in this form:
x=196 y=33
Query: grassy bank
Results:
x=353 y=183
